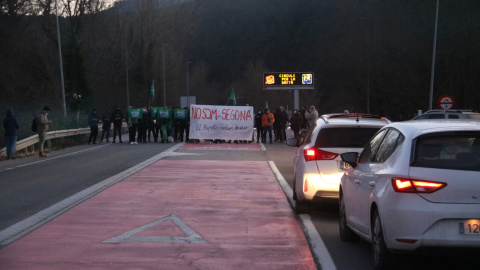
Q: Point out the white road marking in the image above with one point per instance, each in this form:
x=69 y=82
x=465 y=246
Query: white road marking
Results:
x=51 y=158
x=317 y=246
x=129 y=237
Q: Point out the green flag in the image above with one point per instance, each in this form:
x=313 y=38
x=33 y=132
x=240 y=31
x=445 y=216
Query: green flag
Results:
x=232 y=97
x=135 y=113
x=152 y=91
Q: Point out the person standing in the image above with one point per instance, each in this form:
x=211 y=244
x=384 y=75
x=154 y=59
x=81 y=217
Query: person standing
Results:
x=117 y=124
x=311 y=116
x=284 y=123
x=258 y=124
x=151 y=125
x=132 y=124
x=10 y=124
x=277 y=125
x=267 y=122
x=42 y=128
x=107 y=123
x=303 y=111
x=297 y=123
x=93 y=121
x=143 y=123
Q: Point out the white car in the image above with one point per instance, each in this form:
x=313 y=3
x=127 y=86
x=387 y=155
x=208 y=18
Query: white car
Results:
x=415 y=185
x=449 y=114
x=317 y=164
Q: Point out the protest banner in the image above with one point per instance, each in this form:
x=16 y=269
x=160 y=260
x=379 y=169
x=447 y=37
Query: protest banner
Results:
x=209 y=122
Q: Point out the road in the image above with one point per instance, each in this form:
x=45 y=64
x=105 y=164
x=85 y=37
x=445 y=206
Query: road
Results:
x=29 y=185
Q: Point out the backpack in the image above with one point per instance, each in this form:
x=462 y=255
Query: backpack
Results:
x=34 y=124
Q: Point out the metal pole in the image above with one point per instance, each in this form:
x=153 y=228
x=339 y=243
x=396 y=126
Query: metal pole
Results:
x=296 y=99
x=164 y=87
x=432 y=76
x=368 y=66
x=188 y=90
x=61 y=62
x=126 y=69
x=126 y=64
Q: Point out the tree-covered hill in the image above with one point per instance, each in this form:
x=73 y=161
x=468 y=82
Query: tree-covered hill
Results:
x=381 y=49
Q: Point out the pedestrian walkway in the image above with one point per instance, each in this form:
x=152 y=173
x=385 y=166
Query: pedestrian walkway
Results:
x=173 y=214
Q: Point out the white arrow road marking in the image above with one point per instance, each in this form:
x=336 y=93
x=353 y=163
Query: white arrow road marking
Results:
x=129 y=237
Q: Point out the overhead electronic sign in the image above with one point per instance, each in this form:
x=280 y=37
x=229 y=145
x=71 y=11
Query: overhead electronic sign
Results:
x=288 y=80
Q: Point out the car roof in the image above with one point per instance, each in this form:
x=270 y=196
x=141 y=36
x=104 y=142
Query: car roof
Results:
x=415 y=128
x=357 y=119
x=451 y=111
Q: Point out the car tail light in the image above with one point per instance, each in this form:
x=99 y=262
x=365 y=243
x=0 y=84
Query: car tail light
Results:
x=407 y=185
x=317 y=154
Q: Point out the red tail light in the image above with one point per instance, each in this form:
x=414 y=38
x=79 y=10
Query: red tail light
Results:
x=317 y=154
x=407 y=185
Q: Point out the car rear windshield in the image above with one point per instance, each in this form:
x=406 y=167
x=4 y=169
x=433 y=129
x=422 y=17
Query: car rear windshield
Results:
x=473 y=116
x=345 y=136
x=454 y=151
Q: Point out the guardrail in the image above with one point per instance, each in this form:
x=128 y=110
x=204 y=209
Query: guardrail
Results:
x=30 y=142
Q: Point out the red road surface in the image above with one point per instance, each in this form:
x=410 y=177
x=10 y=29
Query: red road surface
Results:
x=174 y=215
x=206 y=145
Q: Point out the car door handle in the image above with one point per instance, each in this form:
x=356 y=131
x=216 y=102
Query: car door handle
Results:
x=371 y=183
x=356 y=181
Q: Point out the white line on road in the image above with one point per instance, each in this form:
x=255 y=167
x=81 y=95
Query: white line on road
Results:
x=317 y=246
x=47 y=159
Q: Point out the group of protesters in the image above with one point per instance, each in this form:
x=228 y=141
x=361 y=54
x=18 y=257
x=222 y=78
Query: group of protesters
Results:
x=160 y=124
x=146 y=124
x=275 y=124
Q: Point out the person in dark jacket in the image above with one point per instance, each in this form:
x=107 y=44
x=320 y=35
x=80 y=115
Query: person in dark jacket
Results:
x=283 y=124
x=258 y=125
x=143 y=124
x=277 y=125
x=93 y=121
x=107 y=123
x=117 y=124
x=10 y=124
x=297 y=123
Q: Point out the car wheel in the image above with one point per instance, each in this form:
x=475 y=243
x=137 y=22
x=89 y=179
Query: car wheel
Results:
x=382 y=258
x=302 y=207
x=346 y=234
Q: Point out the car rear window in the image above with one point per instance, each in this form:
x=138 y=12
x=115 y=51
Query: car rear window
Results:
x=345 y=136
x=454 y=151
x=473 y=116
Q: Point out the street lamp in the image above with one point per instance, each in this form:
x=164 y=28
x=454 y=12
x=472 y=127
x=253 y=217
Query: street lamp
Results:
x=433 y=59
x=188 y=90
x=61 y=62
x=126 y=62
x=164 y=87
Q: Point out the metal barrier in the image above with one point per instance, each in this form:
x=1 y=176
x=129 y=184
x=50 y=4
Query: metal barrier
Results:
x=24 y=144
x=32 y=140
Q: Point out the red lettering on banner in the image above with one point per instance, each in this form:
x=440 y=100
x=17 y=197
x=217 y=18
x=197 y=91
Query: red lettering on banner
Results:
x=226 y=114
x=205 y=113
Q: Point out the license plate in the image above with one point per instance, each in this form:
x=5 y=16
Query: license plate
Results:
x=470 y=227
x=344 y=166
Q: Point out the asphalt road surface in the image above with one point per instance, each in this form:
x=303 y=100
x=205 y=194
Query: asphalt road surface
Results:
x=29 y=185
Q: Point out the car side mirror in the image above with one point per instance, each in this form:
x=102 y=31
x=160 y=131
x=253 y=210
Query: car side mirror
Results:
x=350 y=158
x=292 y=142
